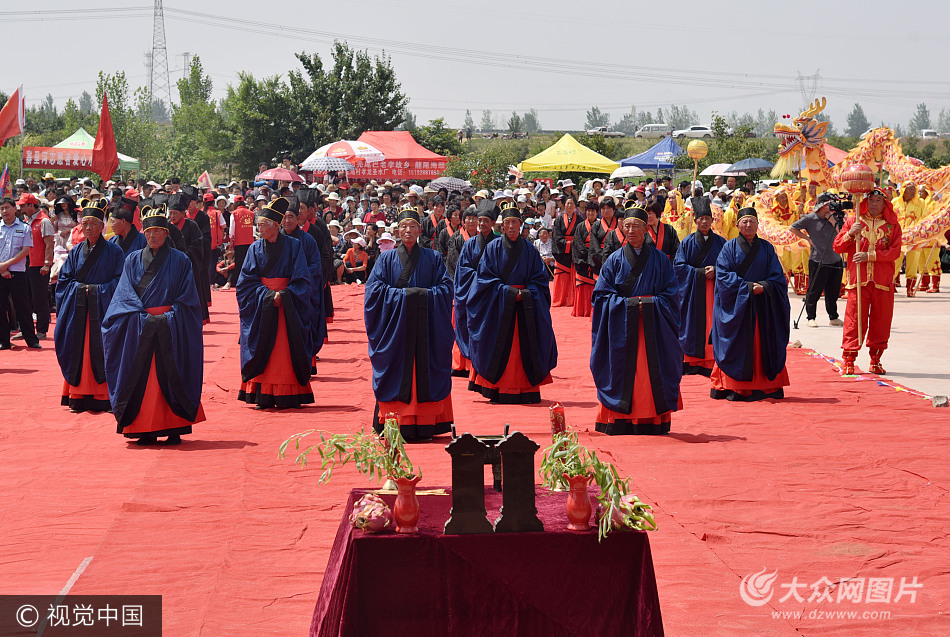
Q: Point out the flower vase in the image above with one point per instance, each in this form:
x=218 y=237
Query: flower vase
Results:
x=406 y=509
x=578 y=503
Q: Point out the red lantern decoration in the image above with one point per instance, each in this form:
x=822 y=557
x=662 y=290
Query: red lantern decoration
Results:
x=858 y=179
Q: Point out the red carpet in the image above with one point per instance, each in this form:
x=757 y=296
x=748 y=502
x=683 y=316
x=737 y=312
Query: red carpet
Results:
x=843 y=479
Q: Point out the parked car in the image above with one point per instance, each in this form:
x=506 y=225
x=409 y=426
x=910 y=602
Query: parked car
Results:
x=693 y=132
x=929 y=133
x=654 y=131
x=604 y=131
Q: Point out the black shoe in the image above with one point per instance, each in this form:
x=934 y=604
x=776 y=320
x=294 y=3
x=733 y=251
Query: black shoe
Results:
x=34 y=345
x=5 y=346
x=41 y=336
x=147 y=439
x=173 y=440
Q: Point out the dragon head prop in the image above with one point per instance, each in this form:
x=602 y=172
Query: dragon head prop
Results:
x=807 y=133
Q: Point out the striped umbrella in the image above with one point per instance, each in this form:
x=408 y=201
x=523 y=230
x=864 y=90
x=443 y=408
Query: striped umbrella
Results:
x=355 y=152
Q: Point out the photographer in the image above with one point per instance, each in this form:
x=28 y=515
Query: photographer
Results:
x=819 y=228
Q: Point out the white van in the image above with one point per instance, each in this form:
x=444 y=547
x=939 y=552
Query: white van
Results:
x=928 y=133
x=656 y=131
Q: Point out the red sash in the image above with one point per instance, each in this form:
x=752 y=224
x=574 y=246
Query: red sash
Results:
x=587 y=238
x=658 y=236
x=569 y=229
x=608 y=228
x=621 y=237
x=435 y=227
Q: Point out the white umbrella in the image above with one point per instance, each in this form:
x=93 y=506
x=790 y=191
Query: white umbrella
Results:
x=355 y=152
x=720 y=169
x=627 y=172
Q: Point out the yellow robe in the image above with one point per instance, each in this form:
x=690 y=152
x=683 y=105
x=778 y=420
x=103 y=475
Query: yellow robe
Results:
x=909 y=213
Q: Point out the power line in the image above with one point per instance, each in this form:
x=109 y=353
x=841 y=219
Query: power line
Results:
x=600 y=70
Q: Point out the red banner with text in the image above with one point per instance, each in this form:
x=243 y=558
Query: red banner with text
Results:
x=44 y=158
x=396 y=170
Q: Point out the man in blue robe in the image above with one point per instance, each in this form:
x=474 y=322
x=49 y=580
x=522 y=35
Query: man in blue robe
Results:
x=193 y=246
x=84 y=290
x=408 y=314
x=465 y=269
x=511 y=338
x=152 y=341
x=636 y=359
x=695 y=266
x=122 y=219
x=273 y=293
x=311 y=252
x=750 y=317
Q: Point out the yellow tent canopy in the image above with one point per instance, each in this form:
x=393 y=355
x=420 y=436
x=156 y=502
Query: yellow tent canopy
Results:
x=568 y=155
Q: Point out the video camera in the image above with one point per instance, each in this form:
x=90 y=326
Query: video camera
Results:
x=838 y=206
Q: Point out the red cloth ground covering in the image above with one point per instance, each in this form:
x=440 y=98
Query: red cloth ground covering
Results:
x=842 y=479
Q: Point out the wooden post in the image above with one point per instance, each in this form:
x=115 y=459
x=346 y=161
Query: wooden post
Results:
x=857 y=269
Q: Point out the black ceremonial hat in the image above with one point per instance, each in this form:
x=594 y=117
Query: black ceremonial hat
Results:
x=509 y=209
x=308 y=196
x=701 y=207
x=408 y=212
x=746 y=212
x=154 y=218
x=95 y=209
x=124 y=209
x=487 y=208
x=178 y=201
x=636 y=211
x=275 y=210
x=191 y=192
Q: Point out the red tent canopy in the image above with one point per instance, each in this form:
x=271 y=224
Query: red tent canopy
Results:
x=405 y=158
x=834 y=155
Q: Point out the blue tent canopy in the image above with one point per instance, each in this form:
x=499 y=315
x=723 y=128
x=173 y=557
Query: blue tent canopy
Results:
x=660 y=157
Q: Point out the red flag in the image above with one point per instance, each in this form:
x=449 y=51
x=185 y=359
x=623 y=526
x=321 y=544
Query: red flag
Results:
x=13 y=116
x=105 y=157
x=6 y=188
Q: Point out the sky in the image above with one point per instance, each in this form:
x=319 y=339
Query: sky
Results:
x=557 y=57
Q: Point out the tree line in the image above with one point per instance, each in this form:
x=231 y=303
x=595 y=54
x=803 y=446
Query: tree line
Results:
x=258 y=120
x=264 y=119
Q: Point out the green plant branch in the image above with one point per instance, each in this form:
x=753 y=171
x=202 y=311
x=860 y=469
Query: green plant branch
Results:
x=567 y=455
x=380 y=455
